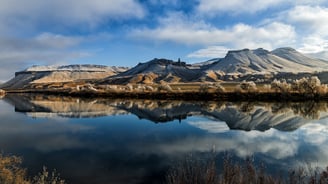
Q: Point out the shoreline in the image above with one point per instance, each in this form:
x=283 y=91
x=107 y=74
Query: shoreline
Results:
x=188 y=96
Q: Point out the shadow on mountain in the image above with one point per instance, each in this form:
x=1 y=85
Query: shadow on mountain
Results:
x=246 y=116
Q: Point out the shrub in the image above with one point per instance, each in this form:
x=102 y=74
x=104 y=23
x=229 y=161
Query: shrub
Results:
x=248 y=86
x=307 y=85
x=11 y=172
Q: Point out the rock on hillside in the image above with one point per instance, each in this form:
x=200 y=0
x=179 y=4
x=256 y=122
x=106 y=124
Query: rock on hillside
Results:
x=69 y=73
x=155 y=71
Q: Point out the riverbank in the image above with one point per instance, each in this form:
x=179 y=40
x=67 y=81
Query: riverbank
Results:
x=217 y=96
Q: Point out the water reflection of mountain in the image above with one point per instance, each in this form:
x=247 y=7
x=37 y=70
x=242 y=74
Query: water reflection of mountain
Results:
x=237 y=115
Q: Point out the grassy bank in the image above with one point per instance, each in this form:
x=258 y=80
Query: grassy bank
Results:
x=299 y=90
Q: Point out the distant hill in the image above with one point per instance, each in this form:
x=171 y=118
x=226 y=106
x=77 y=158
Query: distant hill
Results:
x=261 y=61
x=68 y=73
x=155 y=71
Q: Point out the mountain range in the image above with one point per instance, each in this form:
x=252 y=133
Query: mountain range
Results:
x=237 y=65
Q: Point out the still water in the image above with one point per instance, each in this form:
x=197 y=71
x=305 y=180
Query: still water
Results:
x=98 y=140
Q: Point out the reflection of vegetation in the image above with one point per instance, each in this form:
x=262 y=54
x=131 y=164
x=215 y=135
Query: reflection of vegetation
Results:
x=105 y=106
x=2 y=93
x=11 y=172
x=204 y=171
x=307 y=109
x=245 y=107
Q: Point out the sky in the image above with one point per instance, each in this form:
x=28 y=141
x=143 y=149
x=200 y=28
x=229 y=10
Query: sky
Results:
x=126 y=32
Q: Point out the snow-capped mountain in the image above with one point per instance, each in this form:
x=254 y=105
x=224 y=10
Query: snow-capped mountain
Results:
x=85 y=67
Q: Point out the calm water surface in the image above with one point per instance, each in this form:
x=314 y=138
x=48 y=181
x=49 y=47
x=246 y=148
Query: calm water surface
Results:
x=136 y=141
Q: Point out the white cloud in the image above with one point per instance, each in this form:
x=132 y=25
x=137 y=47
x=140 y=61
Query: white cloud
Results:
x=311 y=23
x=164 y=2
x=214 y=7
x=235 y=6
x=46 y=48
x=210 y=126
x=28 y=15
x=210 y=52
x=306 y=23
x=57 y=41
x=308 y=19
x=313 y=44
x=179 y=29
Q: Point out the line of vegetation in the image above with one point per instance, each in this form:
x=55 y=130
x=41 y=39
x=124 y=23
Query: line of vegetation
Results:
x=309 y=88
x=205 y=171
x=12 y=172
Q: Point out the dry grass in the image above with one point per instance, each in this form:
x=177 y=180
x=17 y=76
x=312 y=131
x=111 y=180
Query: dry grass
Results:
x=205 y=171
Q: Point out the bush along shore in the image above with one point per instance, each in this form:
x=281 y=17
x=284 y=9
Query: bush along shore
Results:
x=297 y=90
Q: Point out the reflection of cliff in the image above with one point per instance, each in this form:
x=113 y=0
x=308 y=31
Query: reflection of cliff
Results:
x=50 y=106
x=237 y=115
x=161 y=111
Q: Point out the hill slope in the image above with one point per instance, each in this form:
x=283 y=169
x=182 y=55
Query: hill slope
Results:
x=155 y=71
x=261 y=61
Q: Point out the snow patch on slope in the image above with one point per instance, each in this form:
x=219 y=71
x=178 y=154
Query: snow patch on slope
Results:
x=85 y=67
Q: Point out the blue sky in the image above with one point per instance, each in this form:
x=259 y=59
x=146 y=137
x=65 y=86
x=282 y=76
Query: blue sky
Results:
x=126 y=32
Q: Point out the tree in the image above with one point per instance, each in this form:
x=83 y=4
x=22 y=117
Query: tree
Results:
x=282 y=87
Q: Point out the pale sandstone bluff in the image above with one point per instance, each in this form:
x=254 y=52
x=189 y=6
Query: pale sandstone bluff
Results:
x=57 y=74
